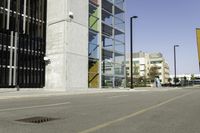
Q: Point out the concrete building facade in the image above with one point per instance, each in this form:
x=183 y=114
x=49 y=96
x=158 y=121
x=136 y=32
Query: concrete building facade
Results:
x=62 y=44
x=86 y=44
x=67 y=44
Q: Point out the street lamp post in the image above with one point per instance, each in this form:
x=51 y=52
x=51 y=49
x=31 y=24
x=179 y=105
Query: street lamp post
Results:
x=175 y=63
x=131 y=48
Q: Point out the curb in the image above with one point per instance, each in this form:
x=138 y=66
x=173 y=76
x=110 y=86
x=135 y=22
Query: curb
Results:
x=86 y=92
x=35 y=94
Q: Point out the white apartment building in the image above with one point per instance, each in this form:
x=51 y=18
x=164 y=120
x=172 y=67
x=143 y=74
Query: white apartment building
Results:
x=142 y=62
x=157 y=59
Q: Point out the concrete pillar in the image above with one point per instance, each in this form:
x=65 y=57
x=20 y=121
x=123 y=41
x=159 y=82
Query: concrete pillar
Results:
x=67 y=45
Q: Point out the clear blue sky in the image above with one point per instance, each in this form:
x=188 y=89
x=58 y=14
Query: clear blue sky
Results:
x=162 y=24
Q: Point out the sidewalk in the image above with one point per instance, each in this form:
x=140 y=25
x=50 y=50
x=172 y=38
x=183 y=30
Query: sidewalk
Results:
x=25 y=93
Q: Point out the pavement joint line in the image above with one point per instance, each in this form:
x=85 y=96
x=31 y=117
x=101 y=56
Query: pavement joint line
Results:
x=36 y=106
x=106 y=124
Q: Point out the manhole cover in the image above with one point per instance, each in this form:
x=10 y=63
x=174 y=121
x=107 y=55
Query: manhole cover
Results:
x=37 y=119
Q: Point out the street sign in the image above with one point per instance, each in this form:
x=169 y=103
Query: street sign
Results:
x=198 y=43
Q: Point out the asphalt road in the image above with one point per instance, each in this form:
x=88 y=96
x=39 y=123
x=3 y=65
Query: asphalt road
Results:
x=175 y=111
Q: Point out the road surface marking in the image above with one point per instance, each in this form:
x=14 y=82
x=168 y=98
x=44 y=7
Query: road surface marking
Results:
x=117 y=96
x=104 y=125
x=31 y=107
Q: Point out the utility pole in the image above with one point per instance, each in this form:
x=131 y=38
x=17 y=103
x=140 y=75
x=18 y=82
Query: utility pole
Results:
x=175 y=64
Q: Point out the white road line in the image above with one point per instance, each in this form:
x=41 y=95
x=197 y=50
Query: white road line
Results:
x=117 y=96
x=108 y=123
x=37 y=106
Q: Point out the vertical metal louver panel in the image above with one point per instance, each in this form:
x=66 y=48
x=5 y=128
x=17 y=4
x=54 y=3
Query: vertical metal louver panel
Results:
x=8 y=15
x=11 y=58
x=24 y=19
x=23 y=43
x=15 y=58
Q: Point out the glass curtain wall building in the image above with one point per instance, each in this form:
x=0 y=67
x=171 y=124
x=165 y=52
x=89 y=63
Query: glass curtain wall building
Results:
x=93 y=48
x=106 y=43
x=22 y=43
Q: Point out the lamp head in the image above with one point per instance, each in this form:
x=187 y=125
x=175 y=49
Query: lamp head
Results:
x=176 y=45
x=134 y=17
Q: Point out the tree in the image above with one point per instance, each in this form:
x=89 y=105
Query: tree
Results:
x=192 y=77
x=153 y=73
x=136 y=69
x=169 y=80
x=176 y=80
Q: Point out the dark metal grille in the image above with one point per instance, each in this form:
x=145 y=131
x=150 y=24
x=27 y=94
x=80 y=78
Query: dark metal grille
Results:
x=22 y=43
x=37 y=120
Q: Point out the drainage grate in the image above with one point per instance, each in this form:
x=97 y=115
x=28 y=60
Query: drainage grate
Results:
x=37 y=119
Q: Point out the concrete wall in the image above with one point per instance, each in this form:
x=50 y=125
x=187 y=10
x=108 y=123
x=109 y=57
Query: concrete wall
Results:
x=67 y=45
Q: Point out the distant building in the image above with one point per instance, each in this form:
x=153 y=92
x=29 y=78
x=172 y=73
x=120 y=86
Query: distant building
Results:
x=186 y=76
x=157 y=59
x=142 y=62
